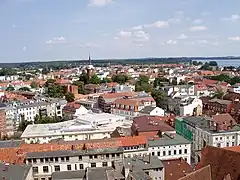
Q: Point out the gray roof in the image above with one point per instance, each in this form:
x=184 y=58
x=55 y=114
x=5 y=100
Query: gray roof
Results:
x=67 y=175
x=139 y=175
x=98 y=173
x=147 y=109
x=14 y=172
x=72 y=153
x=10 y=143
x=166 y=141
x=138 y=163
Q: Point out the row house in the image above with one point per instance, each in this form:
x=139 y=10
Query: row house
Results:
x=214 y=106
x=131 y=107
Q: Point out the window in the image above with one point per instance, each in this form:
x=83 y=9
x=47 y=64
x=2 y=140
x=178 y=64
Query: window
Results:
x=107 y=155
x=118 y=154
x=69 y=168
x=46 y=159
x=220 y=138
x=75 y=166
x=34 y=160
x=153 y=153
x=56 y=159
x=104 y=164
x=175 y=152
x=169 y=153
x=45 y=169
x=180 y=151
x=185 y=151
x=90 y=156
x=233 y=137
x=80 y=166
x=233 y=143
x=62 y=158
x=158 y=153
x=35 y=178
x=216 y=138
x=113 y=155
x=227 y=144
x=218 y=144
x=49 y=178
x=57 y=168
x=41 y=160
x=43 y=179
x=51 y=159
x=95 y=156
x=80 y=158
x=93 y=164
x=164 y=153
x=29 y=160
x=67 y=158
x=35 y=170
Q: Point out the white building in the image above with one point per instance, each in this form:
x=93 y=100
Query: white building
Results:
x=152 y=111
x=170 y=148
x=191 y=106
x=85 y=127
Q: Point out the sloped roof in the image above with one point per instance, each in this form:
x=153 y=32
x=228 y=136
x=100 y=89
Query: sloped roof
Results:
x=200 y=174
x=222 y=162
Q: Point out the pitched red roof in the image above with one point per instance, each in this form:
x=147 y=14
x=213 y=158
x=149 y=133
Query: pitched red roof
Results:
x=225 y=121
x=222 y=162
x=176 y=168
x=149 y=123
x=200 y=174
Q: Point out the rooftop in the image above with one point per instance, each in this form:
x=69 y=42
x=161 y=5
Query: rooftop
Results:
x=68 y=175
x=167 y=140
x=200 y=174
x=14 y=172
x=10 y=143
x=176 y=168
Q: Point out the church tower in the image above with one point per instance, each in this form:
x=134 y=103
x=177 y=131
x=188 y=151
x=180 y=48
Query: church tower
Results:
x=90 y=68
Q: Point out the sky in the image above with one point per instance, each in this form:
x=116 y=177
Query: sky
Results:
x=43 y=30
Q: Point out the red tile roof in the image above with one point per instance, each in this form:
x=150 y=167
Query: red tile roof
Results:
x=149 y=123
x=176 y=168
x=132 y=140
x=200 y=174
x=225 y=121
x=222 y=162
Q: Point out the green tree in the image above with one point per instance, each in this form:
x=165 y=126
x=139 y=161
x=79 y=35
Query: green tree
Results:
x=213 y=63
x=45 y=120
x=95 y=79
x=24 y=89
x=45 y=70
x=10 y=88
x=221 y=77
x=157 y=82
x=219 y=93
x=50 y=82
x=120 y=78
x=158 y=96
x=69 y=97
x=234 y=80
x=23 y=124
x=84 y=78
x=106 y=80
x=143 y=84
x=80 y=85
x=55 y=91
x=34 y=85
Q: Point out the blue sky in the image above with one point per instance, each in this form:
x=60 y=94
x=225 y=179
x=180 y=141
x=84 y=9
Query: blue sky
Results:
x=40 y=30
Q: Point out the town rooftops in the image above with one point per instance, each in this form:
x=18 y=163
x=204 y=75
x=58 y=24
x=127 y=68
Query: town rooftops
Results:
x=167 y=141
x=14 y=172
x=90 y=122
x=143 y=163
x=139 y=175
x=68 y=175
x=176 y=168
x=98 y=173
x=223 y=162
x=221 y=101
x=72 y=153
x=147 y=109
x=200 y=174
x=10 y=143
x=149 y=123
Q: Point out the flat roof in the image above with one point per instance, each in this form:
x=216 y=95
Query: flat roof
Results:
x=88 y=123
x=67 y=175
x=166 y=141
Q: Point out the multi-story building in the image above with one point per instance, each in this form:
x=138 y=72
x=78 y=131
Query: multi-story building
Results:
x=85 y=127
x=219 y=131
x=3 y=125
x=191 y=106
x=170 y=147
x=131 y=107
x=46 y=163
x=214 y=106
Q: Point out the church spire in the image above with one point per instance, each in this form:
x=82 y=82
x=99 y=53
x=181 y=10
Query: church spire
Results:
x=89 y=59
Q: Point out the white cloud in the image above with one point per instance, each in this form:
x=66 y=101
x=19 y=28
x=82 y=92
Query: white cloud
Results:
x=137 y=27
x=197 y=21
x=198 y=28
x=175 y=20
x=125 y=33
x=182 y=36
x=233 y=18
x=173 y=42
x=24 y=48
x=158 y=24
x=99 y=3
x=141 y=36
x=203 y=41
x=56 y=40
x=236 y=38
x=205 y=13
